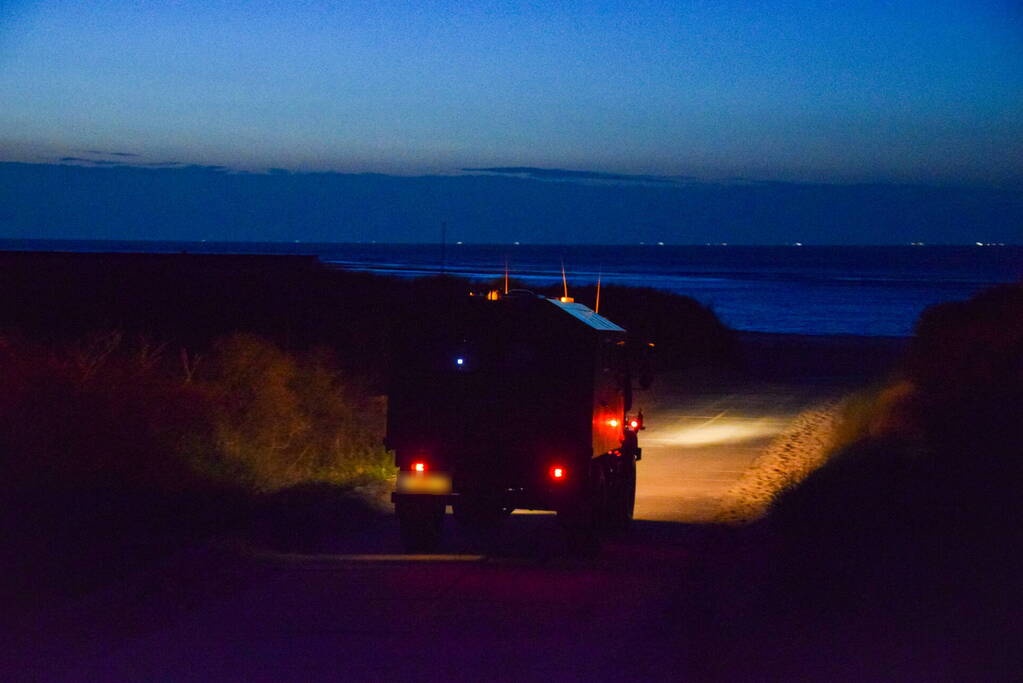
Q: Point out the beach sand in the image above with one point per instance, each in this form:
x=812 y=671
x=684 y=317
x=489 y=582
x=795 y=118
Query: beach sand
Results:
x=790 y=458
x=720 y=447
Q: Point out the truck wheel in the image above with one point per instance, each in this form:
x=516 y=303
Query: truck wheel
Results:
x=480 y=520
x=623 y=500
x=421 y=522
x=584 y=519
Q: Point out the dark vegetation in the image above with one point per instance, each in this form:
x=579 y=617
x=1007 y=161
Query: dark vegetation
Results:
x=149 y=400
x=902 y=557
x=687 y=334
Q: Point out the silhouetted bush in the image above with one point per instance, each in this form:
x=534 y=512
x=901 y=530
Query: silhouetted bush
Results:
x=915 y=523
x=687 y=334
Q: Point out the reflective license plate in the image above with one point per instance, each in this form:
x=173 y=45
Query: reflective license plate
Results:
x=424 y=482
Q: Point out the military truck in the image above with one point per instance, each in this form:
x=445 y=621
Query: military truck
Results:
x=513 y=401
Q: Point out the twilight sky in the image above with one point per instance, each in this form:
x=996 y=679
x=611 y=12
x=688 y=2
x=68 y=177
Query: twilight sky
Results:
x=916 y=91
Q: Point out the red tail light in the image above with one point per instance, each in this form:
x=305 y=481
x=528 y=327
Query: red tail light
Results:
x=634 y=423
x=558 y=473
x=419 y=467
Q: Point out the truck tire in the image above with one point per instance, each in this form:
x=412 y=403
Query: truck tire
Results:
x=421 y=522
x=584 y=520
x=623 y=498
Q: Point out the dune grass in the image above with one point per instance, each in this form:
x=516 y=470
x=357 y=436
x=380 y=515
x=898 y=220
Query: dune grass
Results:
x=247 y=415
x=901 y=553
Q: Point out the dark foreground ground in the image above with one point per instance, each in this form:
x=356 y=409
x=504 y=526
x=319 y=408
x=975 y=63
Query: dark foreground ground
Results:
x=526 y=613
x=676 y=599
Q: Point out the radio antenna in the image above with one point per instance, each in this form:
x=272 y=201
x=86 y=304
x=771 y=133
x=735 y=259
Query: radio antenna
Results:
x=564 y=278
x=596 y=307
x=505 y=274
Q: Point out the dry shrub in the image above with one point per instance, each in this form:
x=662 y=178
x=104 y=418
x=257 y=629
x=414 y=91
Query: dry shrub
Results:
x=281 y=420
x=103 y=412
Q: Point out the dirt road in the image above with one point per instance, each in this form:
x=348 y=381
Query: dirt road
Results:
x=704 y=436
x=354 y=608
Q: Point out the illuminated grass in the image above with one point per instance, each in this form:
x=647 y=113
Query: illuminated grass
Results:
x=248 y=416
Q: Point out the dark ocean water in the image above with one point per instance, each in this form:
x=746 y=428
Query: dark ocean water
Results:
x=804 y=290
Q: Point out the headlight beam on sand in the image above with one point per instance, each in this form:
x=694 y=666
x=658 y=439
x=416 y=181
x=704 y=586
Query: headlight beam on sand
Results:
x=719 y=432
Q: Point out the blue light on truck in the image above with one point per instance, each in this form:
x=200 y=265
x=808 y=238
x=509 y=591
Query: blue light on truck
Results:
x=459 y=361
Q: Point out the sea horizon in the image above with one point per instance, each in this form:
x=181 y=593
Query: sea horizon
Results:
x=864 y=290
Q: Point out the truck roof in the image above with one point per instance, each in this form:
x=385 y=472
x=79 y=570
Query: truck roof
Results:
x=587 y=316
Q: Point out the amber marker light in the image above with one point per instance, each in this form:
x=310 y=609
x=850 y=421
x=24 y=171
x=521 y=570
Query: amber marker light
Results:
x=613 y=422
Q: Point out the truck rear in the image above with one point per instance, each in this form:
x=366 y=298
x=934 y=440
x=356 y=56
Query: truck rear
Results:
x=515 y=401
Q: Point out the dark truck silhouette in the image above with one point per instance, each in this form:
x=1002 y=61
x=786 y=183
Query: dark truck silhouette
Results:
x=514 y=401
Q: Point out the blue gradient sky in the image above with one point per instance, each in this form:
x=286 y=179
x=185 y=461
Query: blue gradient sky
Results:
x=927 y=91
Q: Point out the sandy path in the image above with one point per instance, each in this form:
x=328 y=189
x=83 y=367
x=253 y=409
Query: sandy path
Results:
x=796 y=452
x=717 y=451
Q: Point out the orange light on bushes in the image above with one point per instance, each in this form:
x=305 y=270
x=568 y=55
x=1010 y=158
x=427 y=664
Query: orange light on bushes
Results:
x=557 y=472
x=419 y=467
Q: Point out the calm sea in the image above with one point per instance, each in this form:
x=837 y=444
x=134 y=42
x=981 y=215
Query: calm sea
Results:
x=797 y=289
